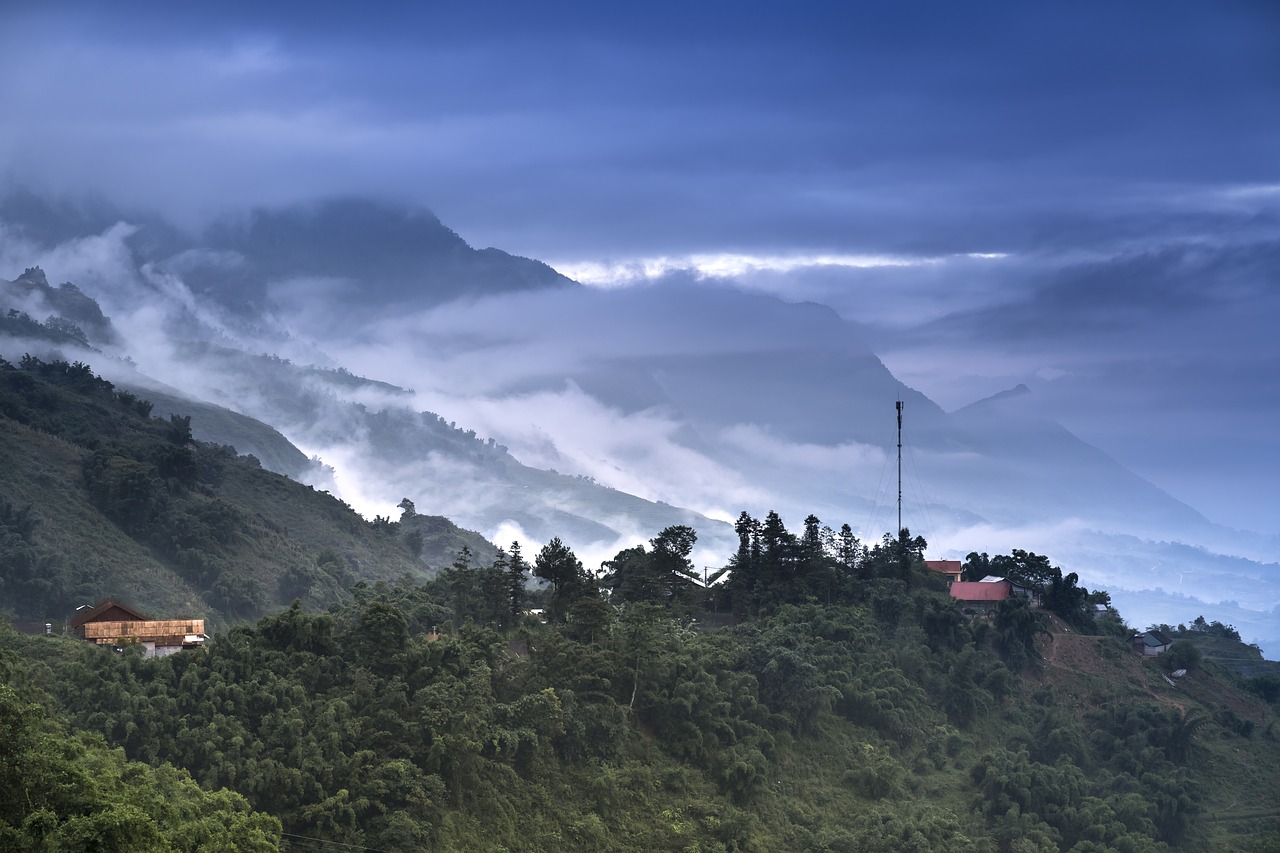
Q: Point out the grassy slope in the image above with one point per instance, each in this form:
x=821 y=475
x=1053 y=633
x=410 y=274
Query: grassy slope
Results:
x=43 y=471
x=300 y=514
x=223 y=426
x=283 y=524
x=1239 y=774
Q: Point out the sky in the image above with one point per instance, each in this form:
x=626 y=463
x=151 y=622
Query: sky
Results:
x=1082 y=197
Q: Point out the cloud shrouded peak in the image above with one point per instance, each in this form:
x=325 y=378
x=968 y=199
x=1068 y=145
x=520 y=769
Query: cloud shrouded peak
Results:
x=358 y=251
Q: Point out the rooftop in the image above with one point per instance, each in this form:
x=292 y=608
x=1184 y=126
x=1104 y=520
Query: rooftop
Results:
x=980 y=591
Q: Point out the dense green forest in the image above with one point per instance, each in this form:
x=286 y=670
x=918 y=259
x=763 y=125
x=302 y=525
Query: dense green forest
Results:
x=821 y=694
x=66 y=790
x=882 y=720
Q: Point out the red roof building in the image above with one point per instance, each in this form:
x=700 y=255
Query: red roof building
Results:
x=981 y=595
x=950 y=568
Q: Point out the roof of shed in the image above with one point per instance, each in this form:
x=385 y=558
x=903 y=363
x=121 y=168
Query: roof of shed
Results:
x=978 y=591
x=97 y=611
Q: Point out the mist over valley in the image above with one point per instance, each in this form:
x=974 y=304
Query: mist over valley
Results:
x=397 y=361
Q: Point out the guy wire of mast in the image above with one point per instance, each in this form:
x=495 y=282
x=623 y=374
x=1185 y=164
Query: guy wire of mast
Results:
x=898 y=406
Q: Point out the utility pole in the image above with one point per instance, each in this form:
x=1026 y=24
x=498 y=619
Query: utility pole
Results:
x=898 y=406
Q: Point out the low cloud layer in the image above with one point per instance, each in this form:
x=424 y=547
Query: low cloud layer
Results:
x=577 y=380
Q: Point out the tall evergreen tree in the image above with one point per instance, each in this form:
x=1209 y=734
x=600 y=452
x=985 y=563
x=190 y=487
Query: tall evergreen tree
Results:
x=1017 y=625
x=745 y=566
x=780 y=561
x=816 y=567
x=896 y=557
x=517 y=592
x=494 y=592
x=848 y=558
x=460 y=577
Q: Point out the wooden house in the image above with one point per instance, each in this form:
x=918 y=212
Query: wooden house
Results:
x=113 y=623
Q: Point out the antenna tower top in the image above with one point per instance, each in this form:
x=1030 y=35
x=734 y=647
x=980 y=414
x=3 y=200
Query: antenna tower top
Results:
x=898 y=406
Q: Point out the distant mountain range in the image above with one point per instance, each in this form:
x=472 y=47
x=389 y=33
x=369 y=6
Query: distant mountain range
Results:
x=642 y=399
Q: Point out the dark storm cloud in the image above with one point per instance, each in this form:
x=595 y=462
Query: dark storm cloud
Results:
x=1164 y=357
x=1121 y=158
x=589 y=127
x=1132 y=297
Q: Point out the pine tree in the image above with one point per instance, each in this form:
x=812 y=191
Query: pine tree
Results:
x=460 y=577
x=517 y=569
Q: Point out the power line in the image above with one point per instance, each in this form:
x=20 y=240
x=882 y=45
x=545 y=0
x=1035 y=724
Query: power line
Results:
x=920 y=495
x=333 y=843
x=875 y=501
x=898 y=406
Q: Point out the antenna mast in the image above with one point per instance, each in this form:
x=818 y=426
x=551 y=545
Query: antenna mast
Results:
x=898 y=406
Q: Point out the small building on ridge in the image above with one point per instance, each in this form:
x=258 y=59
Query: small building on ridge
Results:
x=951 y=568
x=112 y=623
x=1151 y=643
x=981 y=595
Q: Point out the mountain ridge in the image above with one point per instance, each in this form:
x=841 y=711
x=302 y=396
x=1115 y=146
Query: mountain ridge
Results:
x=123 y=503
x=376 y=251
x=783 y=406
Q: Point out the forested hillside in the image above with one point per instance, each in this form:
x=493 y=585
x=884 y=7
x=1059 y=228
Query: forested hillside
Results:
x=881 y=719
x=66 y=790
x=99 y=498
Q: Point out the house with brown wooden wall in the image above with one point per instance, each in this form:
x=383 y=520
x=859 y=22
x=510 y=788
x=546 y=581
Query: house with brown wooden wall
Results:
x=113 y=623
